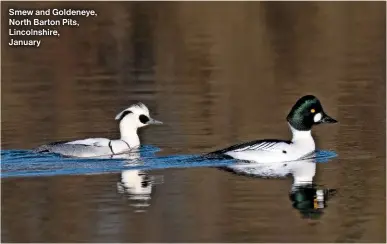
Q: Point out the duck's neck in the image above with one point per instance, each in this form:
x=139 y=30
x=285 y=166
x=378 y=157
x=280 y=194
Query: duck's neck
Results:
x=130 y=136
x=300 y=136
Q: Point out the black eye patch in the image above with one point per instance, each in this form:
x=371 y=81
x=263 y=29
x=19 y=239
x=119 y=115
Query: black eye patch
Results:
x=143 y=119
x=124 y=114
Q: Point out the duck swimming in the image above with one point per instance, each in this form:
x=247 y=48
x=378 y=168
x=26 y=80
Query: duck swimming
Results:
x=130 y=119
x=306 y=113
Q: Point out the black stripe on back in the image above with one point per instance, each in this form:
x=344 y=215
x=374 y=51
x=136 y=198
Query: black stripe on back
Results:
x=250 y=144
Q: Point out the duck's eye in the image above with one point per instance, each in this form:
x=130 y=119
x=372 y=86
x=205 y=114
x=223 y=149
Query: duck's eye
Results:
x=143 y=119
x=312 y=110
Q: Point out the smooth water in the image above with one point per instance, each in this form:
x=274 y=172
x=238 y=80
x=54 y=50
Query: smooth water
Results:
x=216 y=74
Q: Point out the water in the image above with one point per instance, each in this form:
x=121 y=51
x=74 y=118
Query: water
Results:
x=22 y=163
x=216 y=74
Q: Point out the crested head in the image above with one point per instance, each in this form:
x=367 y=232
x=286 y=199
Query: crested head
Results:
x=135 y=116
x=132 y=118
x=307 y=112
x=137 y=108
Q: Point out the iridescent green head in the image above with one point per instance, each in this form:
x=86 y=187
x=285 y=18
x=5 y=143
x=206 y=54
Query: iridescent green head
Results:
x=308 y=112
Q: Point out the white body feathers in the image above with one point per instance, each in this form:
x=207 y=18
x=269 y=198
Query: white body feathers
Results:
x=269 y=151
x=132 y=118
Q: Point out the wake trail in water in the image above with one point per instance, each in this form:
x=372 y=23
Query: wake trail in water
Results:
x=25 y=163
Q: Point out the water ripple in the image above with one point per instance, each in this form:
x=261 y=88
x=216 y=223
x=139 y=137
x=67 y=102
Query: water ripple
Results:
x=23 y=163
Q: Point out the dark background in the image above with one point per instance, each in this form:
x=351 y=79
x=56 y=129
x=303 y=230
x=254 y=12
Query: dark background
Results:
x=217 y=73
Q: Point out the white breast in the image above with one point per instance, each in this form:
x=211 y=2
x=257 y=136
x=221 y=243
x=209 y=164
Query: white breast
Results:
x=119 y=146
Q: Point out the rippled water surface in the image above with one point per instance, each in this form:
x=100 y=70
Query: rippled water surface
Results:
x=217 y=74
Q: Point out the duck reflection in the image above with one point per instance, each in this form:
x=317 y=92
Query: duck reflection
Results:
x=310 y=200
x=137 y=185
x=305 y=196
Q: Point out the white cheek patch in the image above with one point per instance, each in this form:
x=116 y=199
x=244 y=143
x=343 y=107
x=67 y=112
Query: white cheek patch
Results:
x=317 y=117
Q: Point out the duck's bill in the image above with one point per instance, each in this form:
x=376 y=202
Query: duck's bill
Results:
x=328 y=120
x=154 y=122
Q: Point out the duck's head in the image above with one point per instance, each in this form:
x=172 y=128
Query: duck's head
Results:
x=308 y=112
x=136 y=116
x=311 y=200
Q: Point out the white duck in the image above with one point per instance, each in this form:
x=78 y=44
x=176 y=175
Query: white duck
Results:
x=130 y=119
